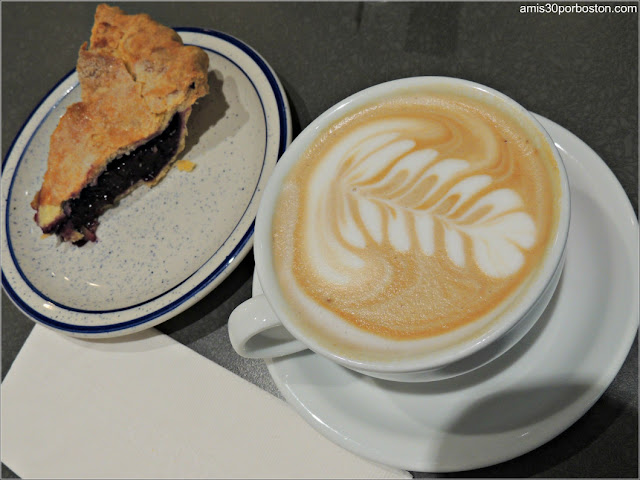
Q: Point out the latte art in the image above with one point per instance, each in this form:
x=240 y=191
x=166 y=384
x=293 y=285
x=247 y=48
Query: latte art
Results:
x=390 y=191
x=413 y=218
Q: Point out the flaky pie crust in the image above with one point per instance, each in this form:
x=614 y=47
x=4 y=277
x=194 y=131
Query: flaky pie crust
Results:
x=134 y=76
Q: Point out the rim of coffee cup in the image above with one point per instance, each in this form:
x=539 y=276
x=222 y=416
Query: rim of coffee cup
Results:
x=263 y=238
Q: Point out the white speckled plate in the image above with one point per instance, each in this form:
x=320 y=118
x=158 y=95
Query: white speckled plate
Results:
x=527 y=396
x=161 y=249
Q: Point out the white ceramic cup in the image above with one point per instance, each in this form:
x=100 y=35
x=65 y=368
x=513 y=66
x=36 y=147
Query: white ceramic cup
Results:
x=261 y=327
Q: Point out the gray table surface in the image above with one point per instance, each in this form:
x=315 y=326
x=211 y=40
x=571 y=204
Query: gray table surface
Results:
x=580 y=70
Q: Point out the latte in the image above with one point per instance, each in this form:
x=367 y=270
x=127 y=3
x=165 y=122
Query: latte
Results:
x=414 y=218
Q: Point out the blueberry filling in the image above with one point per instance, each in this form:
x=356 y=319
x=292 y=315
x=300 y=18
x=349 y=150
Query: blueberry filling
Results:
x=143 y=164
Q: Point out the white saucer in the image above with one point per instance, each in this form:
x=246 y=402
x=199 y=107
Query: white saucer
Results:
x=162 y=249
x=530 y=394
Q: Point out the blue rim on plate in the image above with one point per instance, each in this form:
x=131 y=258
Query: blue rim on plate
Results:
x=218 y=271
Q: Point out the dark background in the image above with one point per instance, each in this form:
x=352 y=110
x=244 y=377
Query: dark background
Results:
x=579 y=70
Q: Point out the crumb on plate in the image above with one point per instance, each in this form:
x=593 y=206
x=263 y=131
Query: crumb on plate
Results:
x=185 y=165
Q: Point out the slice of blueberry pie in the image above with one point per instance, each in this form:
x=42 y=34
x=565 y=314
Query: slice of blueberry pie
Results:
x=138 y=83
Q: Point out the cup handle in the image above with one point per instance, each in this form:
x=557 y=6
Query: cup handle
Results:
x=256 y=332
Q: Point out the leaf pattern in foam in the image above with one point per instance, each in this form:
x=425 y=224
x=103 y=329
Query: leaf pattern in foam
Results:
x=394 y=188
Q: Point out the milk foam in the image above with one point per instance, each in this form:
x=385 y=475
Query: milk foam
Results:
x=412 y=220
x=366 y=201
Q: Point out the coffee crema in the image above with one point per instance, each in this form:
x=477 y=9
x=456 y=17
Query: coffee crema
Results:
x=414 y=217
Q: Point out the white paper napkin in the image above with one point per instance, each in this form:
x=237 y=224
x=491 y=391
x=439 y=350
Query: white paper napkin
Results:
x=149 y=407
